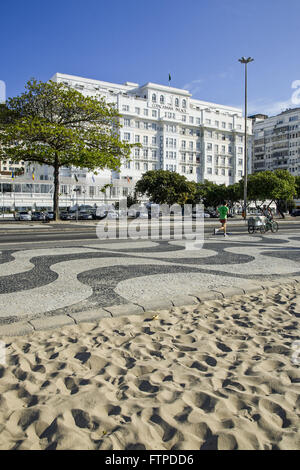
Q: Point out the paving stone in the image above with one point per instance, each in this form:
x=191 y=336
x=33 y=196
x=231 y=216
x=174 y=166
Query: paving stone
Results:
x=156 y=304
x=249 y=288
x=184 y=300
x=124 y=310
x=16 y=329
x=56 y=321
x=90 y=315
x=204 y=295
x=229 y=291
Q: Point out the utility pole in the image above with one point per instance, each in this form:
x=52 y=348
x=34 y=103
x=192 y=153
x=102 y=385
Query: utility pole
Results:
x=245 y=61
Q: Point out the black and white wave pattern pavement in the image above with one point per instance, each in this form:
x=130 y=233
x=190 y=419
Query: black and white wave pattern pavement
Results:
x=73 y=279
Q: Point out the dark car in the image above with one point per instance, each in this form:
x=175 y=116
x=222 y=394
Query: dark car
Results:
x=295 y=213
x=38 y=216
x=49 y=215
x=85 y=215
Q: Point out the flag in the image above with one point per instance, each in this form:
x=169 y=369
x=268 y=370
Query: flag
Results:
x=128 y=179
x=32 y=176
x=169 y=77
x=12 y=175
x=93 y=178
x=76 y=179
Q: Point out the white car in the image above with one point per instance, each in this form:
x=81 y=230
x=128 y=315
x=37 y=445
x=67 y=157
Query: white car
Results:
x=111 y=214
x=23 y=216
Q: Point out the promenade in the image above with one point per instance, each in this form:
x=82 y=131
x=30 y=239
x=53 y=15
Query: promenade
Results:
x=130 y=345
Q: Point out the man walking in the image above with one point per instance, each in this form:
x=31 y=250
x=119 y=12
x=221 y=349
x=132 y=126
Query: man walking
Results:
x=223 y=211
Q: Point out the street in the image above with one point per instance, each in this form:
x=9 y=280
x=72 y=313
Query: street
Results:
x=61 y=272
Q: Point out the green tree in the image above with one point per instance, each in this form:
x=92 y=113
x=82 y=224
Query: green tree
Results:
x=58 y=126
x=277 y=186
x=297 y=186
x=165 y=187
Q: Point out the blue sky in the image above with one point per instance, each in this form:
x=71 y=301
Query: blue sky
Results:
x=197 y=41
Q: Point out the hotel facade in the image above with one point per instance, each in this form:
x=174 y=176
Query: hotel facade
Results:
x=195 y=138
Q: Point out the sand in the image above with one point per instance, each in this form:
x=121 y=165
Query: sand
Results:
x=221 y=375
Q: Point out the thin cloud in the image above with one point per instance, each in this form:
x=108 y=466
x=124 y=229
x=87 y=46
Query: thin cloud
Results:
x=194 y=86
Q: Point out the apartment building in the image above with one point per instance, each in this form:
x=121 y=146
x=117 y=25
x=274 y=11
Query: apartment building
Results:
x=276 y=142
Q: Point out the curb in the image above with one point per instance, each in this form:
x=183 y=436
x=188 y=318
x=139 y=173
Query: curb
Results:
x=93 y=316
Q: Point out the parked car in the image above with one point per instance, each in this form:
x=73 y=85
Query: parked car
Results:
x=196 y=214
x=38 y=216
x=112 y=214
x=49 y=215
x=213 y=214
x=85 y=215
x=101 y=211
x=295 y=213
x=23 y=216
x=67 y=215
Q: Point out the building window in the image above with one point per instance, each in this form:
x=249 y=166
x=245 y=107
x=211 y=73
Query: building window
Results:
x=137 y=165
x=127 y=122
x=154 y=113
x=162 y=99
x=126 y=136
x=145 y=112
x=125 y=107
x=154 y=98
x=209 y=171
x=137 y=110
x=184 y=103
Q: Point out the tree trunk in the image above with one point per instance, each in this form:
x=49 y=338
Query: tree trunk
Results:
x=56 y=190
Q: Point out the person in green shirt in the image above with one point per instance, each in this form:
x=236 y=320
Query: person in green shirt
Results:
x=223 y=211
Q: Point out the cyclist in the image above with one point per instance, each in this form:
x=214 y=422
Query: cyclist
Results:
x=266 y=211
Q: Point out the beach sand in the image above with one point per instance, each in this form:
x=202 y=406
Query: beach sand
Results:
x=220 y=375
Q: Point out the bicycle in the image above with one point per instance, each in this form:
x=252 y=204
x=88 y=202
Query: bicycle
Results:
x=270 y=225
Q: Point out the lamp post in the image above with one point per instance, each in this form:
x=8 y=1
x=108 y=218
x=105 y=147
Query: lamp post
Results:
x=245 y=61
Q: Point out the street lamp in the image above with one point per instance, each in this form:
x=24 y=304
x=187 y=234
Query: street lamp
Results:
x=245 y=61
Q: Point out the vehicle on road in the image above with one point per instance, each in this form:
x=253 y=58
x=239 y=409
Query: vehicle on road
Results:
x=67 y=215
x=198 y=214
x=38 y=216
x=49 y=215
x=85 y=215
x=101 y=211
x=112 y=214
x=23 y=216
x=295 y=213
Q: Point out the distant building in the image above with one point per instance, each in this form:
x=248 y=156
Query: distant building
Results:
x=276 y=142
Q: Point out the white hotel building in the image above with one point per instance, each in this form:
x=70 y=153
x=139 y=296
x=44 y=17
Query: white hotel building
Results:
x=197 y=139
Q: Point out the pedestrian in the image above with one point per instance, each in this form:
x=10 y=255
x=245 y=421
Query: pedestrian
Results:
x=223 y=211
